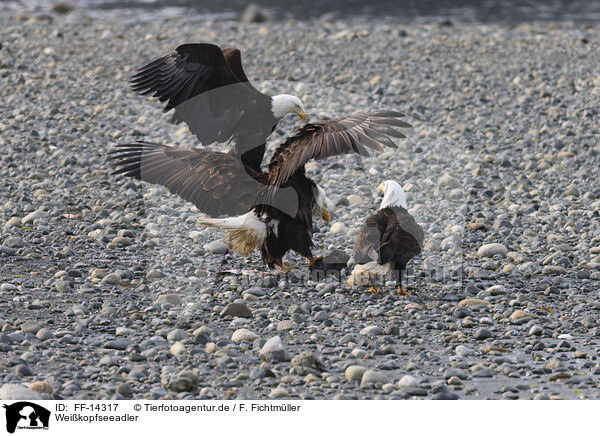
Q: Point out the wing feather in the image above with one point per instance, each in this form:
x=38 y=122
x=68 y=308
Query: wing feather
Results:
x=208 y=90
x=319 y=140
x=215 y=182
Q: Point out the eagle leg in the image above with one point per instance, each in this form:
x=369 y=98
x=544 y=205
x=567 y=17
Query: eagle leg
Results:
x=373 y=289
x=283 y=267
x=401 y=290
x=313 y=260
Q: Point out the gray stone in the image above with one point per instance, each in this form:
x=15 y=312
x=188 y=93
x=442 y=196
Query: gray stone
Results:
x=45 y=334
x=308 y=359
x=30 y=327
x=184 y=381
x=14 y=242
x=535 y=330
x=117 y=344
x=125 y=390
x=177 y=335
x=483 y=333
x=237 y=309
x=216 y=247
x=173 y=299
x=254 y=14
x=285 y=325
x=111 y=279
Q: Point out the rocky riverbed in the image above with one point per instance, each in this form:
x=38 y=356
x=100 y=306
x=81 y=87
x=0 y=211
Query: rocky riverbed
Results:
x=109 y=289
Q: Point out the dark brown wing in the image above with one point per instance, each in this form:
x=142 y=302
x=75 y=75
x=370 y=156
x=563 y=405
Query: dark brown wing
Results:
x=369 y=239
x=392 y=234
x=403 y=238
x=233 y=57
x=209 y=91
x=318 y=140
x=215 y=182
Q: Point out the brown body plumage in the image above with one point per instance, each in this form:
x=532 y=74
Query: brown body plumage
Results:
x=386 y=242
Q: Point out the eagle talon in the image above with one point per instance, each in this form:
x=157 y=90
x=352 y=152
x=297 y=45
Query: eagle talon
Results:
x=286 y=268
x=373 y=290
x=313 y=260
x=401 y=291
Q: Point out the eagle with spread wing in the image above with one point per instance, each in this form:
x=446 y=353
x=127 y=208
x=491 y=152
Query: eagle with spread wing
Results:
x=270 y=210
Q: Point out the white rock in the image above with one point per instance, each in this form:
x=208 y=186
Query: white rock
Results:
x=337 y=228
x=13 y=222
x=371 y=330
x=13 y=391
x=177 y=348
x=408 y=381
x=354 y=199
x=355 y=372
x=31 y=217
x=448 y=181
x=273 y=350
x=243 y=335
x=374 y=376
x=461 y=350
x=490 y=250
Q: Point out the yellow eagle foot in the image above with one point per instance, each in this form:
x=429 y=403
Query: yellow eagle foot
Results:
x=373 y=290
x=313 y=260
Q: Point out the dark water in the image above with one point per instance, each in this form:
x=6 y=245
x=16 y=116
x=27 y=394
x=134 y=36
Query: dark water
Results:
x=486 y=11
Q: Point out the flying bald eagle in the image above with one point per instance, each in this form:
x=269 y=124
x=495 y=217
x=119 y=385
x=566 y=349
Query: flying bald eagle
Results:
x=387 y=241
x=269 y=210
x=208 y=90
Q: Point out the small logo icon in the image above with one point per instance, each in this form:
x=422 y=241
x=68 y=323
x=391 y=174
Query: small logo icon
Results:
x=26 y=415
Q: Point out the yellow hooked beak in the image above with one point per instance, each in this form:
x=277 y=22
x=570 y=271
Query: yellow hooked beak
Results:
x=380 y=188
x=301 y=114
x=325 y=215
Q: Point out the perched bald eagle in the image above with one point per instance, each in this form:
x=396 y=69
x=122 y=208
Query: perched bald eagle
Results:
x=387 y=241
x=269 y=210
x=208 y=90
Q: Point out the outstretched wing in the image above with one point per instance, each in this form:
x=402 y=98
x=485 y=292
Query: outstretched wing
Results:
x=215 y=182
x=318 y=140
x=209 y=91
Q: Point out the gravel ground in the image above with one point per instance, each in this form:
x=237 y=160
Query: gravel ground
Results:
x=108 y=289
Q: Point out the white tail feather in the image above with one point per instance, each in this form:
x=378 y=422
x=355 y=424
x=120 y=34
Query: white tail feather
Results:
x=362 y=274
x=244 y=232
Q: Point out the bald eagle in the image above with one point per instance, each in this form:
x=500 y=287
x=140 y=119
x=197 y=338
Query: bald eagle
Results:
x=387 y=241
x=271 y=210
x=207 y=88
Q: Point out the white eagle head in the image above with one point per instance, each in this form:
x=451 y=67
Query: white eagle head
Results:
x=284 y=104
x=393 y=195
